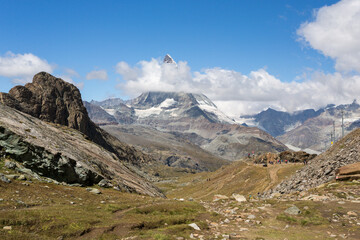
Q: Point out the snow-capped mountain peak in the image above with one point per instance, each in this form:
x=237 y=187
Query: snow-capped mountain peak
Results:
x=168 y=59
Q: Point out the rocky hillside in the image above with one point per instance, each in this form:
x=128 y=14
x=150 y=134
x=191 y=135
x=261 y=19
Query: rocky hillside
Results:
x=322 y=169
x=63 y=154
x=193 y=117
x=53 y=100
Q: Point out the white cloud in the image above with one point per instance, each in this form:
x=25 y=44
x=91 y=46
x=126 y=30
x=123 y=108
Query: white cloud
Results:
x=71 y=72
x=22 y=67
x=98 y=75
x=236 y=93
x=335 y=32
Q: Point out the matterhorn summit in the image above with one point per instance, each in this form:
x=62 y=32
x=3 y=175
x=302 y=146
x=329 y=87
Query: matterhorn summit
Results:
x=168 y=59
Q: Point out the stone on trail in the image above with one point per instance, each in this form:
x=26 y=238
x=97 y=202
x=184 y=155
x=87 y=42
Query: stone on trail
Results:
x=194 y=226
x=293 y=210
x=239 y=198
x=93 y=190
x=219 y=197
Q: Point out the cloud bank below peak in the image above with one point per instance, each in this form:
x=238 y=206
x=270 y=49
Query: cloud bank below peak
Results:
x=236 y=93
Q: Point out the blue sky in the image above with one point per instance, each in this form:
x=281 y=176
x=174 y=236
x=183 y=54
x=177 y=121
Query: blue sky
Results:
x=77 y=37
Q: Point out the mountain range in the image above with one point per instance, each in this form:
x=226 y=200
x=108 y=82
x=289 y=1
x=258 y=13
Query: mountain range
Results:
x=191 y=116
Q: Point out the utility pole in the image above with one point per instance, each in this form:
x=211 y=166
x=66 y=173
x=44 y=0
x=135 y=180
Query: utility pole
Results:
x=342 y=123
x=334 y=131
x=331 y=139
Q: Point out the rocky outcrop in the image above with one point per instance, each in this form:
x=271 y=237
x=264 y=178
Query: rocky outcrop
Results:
x=45 y=163
x=64 y=154
x=351 y=171
x=53 y=100
x=285 y=156
x=322 y=168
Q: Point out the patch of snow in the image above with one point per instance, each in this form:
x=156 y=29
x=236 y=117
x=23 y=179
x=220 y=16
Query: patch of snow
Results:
x=167 y=103
x=311 y=151
x=248 y=121
x=291 y=147
x=206 y=105
x=296 y=149
x=110 y=111
x=143 y=113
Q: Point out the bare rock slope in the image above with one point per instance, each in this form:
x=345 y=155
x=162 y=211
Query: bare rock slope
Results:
x=64 y=154
x=322 y=169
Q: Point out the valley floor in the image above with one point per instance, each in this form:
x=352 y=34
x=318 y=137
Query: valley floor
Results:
x=42 y=210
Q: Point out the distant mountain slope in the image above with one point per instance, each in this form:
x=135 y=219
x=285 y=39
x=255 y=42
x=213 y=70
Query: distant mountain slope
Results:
x=315 y=133
x=195 y=117
x=64 y=154
x=170 y=149
x=277 y=122
x=322 y=168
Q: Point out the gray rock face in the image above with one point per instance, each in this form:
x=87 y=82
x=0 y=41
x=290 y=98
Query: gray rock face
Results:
x=55 y=166
x=63 y=154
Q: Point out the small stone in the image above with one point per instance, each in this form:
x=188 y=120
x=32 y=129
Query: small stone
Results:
x=93 y=190
x=251 y=216
x=1 y=199
x=9 y=228
x=258 y=222
x=219 y=197
x=72 y=203
x=225 y=236
x=351 y=213
x=191 y=199
x=102 y=202
x=4 y=179
x=226 y=221
x=194 y=226
x=10 y=164
x=22 y=177
x=306 y=208
x=180 y=238
x=293 y=210
x=341 y=202
x=244 y=229
x=239 y=198
x=105 y=184
x=25 y=183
